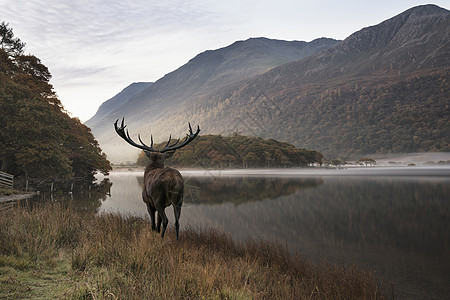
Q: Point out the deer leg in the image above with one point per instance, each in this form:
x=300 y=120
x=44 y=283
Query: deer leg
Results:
x=158 y=227
x=177 y=212
x=151 y=210
x=162 y=218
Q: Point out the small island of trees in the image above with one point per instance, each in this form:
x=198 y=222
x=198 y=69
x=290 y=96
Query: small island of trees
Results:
x=237 y=151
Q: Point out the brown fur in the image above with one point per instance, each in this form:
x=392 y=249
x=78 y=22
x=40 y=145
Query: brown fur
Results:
x=163 y=187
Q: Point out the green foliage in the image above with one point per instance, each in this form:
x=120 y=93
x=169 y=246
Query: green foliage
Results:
x=337 y=162
x=237 y=151
x=10 y=44
x=84 y=151
x=367 y=161
x=350 y=118
x=37 y=137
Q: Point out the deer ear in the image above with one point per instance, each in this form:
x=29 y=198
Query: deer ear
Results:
x=168 y=154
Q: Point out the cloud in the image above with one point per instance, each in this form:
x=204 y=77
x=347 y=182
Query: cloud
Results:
x=87 y=43
x=95 y=48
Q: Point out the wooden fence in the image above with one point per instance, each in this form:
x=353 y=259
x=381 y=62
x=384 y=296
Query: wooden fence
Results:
x=6 y=180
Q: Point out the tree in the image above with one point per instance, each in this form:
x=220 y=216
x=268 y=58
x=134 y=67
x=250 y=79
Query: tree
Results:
x=367 y=161
x=337 y=162
x=280 y=158
x=37 y=136
x=268 y=158
x=250 y=159
x=230 y=159
x=10 y=44
x=217 y=159
x=38 y=149
x=84 y=151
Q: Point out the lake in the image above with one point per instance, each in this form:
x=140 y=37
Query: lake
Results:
x=393 y=221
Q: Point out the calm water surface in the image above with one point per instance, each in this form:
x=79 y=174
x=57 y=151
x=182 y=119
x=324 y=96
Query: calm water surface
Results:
x=393 y=221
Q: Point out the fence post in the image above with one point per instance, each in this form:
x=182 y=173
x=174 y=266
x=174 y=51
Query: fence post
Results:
x=6 y=180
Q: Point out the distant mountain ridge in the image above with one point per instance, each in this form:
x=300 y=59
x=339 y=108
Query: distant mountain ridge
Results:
x=417 y=38
x=353 y=100
x=384 y=89
x=207 y=72
x=110 y=105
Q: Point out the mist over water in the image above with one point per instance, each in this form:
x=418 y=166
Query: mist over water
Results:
x=392 y=220
x=419 y=159
x=307 y=172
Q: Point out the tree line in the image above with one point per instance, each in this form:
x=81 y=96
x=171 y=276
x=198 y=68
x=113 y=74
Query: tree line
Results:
x=237 y=151
x=38 y=139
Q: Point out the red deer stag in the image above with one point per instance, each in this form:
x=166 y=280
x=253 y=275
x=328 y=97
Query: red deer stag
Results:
x=163 y=186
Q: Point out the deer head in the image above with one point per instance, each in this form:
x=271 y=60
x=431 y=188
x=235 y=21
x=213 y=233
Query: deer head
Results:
x=157 y=156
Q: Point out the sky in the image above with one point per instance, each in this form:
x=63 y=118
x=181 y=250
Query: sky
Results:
x=96 y=48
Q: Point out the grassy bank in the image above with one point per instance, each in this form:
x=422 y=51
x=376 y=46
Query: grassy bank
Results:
x=55 y=252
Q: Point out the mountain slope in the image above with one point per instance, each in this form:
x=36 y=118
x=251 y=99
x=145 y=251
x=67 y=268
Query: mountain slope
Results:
x=384 y=89
x=202 y=75
x=121 y=98
x=214 y=69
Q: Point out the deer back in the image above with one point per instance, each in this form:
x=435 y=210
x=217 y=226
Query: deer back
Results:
x=163 y=186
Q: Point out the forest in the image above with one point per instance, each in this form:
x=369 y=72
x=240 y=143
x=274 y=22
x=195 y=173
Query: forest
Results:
x=38 y=138
x=349 y=120
x=237 y=151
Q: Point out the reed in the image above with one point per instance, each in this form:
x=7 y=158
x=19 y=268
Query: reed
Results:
x=118 y=257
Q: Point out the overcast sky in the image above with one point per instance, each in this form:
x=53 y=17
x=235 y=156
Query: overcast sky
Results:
x=95 y=48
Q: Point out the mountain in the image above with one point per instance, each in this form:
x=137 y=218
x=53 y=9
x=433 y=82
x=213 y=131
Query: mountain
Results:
x=206 y=73
x=384 y=89
x=110 y=105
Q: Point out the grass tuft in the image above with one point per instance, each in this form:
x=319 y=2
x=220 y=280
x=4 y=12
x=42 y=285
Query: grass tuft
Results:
x=82 y=256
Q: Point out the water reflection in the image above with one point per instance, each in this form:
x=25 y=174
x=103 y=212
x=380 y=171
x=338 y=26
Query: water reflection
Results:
x=85 y=197
x=239 y=189
x=408 y=214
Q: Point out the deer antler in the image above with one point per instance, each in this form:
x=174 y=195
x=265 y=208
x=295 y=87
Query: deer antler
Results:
x=126 y=136
x=189 y=137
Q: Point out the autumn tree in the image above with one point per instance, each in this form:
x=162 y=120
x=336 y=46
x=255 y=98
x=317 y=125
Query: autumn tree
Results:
x=237 y=151
x=8 y=42
x=84 y=152
x=250 y=160
x=367 y=161
x=337 y=162
x=37 y=136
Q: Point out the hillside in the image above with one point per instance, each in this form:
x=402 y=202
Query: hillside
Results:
x=206 y=73
x=110 y=105
x=384 y=89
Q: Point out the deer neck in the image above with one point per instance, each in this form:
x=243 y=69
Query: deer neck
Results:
x=153 y=166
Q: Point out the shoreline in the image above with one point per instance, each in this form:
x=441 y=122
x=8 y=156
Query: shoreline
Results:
x=15 y=197
x=443 y=171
